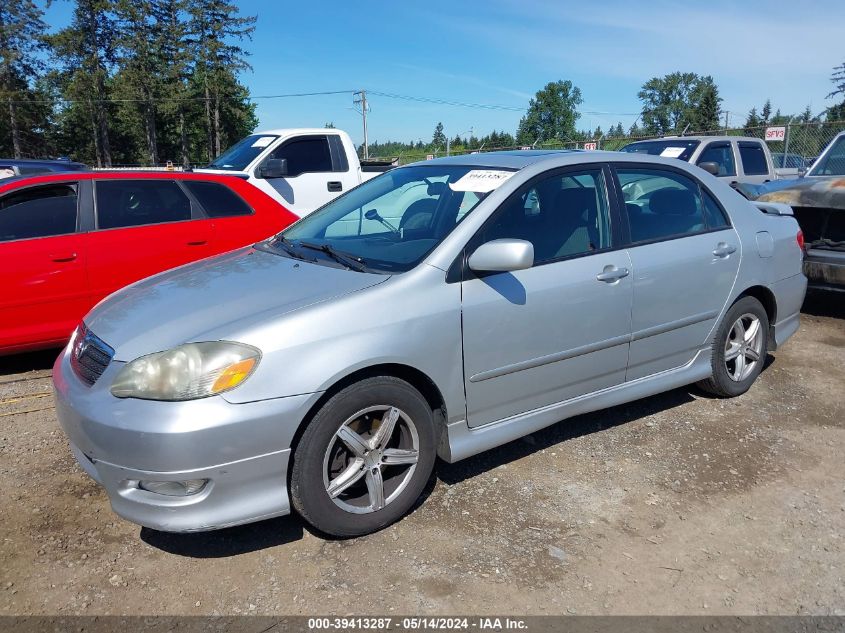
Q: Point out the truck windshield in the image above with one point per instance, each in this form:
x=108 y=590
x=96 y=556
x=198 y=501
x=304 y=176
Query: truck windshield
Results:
x=832 y=163
x=670 y=148
x=388 y=224
x=242 y=153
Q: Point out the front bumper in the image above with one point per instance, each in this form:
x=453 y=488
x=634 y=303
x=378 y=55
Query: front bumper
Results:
x=241 y=449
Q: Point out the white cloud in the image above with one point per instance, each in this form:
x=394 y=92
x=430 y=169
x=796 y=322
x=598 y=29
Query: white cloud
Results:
x=753 y=50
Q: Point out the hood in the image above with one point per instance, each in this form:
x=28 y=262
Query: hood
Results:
x=822 y=192
x=214 y=295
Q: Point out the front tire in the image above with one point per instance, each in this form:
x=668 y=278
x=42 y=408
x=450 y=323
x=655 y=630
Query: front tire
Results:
x=739 y=349
x=364 y=458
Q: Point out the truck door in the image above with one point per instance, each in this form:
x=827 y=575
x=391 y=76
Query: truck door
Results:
x=317 y=171
x=756 y=167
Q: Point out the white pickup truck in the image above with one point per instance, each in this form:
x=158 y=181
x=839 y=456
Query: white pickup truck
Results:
x=302 y=168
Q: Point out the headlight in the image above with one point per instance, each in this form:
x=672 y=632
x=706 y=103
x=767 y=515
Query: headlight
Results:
x=187 y=372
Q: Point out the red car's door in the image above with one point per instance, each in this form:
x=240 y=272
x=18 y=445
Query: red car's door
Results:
x=242 y=214
x=143 y=226
x=43 y=287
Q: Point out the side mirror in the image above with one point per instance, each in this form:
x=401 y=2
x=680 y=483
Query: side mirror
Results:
x=710 y=168
x=273 y=168
x=504 y=255
x=802 y=171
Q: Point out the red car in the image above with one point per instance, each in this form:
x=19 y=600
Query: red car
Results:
x=69 y=239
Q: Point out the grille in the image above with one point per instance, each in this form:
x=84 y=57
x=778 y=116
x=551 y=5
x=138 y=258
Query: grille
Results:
x=90 y=356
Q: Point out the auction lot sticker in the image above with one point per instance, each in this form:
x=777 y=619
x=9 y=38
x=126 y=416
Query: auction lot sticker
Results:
x=481 y=180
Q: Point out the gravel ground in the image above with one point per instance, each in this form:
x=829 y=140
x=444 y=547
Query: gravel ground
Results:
x=677 y=504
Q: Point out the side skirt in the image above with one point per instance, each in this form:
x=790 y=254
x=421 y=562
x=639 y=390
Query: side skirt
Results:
x=463 y=442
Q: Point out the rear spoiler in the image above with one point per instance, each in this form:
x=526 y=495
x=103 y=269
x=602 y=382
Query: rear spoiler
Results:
x=773 y=208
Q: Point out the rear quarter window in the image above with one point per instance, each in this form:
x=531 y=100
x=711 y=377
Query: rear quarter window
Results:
x=218 y=200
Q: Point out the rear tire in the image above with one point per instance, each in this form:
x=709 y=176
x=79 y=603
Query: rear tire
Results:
x=739 y=349
x=364 y=458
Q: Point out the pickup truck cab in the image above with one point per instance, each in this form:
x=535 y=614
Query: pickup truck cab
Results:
x=301 y=168
x=735 y=159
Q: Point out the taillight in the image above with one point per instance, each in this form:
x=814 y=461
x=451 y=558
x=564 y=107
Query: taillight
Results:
x=800 y=239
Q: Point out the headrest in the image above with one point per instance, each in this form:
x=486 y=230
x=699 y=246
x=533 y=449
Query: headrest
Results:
x=437 y=188
x=672 y=202
x=577 y=200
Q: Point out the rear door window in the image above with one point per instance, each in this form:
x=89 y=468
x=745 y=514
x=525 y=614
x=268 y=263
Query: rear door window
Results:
x=661 y=204
x=125 y=203
x=753 y=158
x=218 y=200
x=38 y=212
x=722 y=154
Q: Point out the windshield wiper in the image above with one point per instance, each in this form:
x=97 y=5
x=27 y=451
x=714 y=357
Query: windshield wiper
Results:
x=355 y=263
x=290 y=248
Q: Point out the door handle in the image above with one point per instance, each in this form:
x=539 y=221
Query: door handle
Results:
x=63 y=257
x=612 y=274
x=198 y=243
x=334 y=185
x=723 y=249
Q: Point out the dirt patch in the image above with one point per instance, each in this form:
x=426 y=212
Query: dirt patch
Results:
x=679 y=503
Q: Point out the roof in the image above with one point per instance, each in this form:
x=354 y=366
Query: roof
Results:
x=510 y=159
x=59 y=176
x=290 y=131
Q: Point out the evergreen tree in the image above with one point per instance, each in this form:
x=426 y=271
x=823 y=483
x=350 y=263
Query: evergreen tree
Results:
x=140 y=61
x=753 y=120
x=438 y=139
x=766 y=112
x=174 y=54
x=85 y=50
x=216 y=30
x=21 y=40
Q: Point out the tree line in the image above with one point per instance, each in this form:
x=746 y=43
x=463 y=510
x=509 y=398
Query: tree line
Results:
x=126 y=82
x=673 y=104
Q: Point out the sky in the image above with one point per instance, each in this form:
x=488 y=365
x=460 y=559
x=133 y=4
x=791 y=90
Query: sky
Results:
x=500 y=52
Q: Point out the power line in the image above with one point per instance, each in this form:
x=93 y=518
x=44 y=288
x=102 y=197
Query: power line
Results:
x=388 y=95
x=177 y=99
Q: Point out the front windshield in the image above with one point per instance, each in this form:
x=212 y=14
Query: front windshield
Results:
x=674 y=148
x=242 y=153
x=388 y=224
x=833 y=161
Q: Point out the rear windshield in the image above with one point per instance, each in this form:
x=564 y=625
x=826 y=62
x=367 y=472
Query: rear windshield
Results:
x=674 y=148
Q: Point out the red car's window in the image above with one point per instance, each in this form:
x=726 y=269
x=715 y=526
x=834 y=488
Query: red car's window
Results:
x=218 y=200
x=125 y=203
x=38 y=212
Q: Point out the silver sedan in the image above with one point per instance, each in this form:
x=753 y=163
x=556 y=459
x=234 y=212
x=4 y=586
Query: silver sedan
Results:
x=441 y=309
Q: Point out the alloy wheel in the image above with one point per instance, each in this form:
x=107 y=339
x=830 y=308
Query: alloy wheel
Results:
x=743 y=347
x=370 y=459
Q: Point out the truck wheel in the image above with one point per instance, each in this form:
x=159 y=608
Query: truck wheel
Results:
x=364 y=458
x=739 y=349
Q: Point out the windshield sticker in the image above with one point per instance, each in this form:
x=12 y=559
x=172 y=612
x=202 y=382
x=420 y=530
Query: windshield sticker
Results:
x=672 y=152
x=263 y=141
x=480 y=180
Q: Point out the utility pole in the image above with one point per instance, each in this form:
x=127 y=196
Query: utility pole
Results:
x=360 y=98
